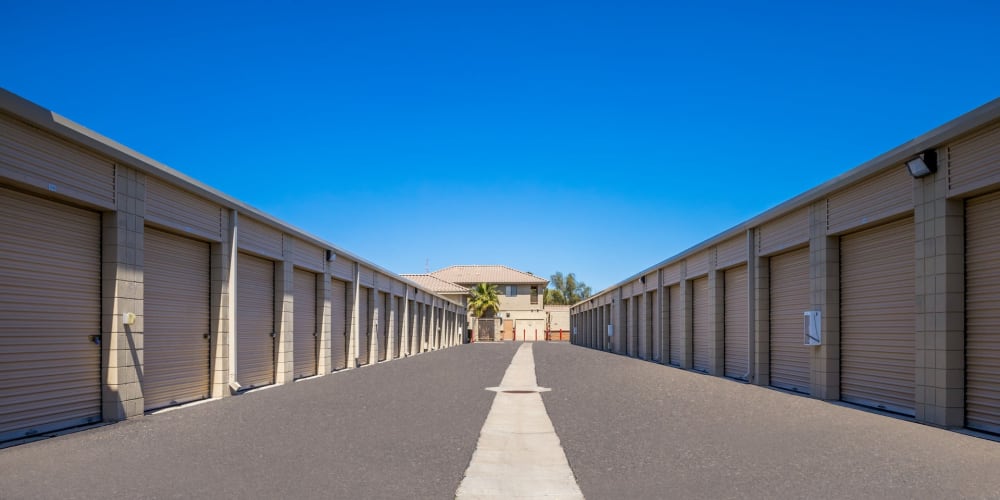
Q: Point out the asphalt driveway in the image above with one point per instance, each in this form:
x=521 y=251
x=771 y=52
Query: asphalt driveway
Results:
x=635 y=429
x=407 y=429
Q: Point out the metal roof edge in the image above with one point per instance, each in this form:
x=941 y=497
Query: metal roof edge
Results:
x=63 y=127
x=963 y=124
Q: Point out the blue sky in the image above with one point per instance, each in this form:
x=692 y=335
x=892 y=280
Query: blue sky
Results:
x=589 y=137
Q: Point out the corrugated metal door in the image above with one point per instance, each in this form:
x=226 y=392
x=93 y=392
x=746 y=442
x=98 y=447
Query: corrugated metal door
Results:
x=50 y=308
x=701 y=314
x=737 y=325
x=176 y=319
x=626 y=325
x=982 y=313
x=877 y=344
x=637 y=329
x=383 y=326
x=676 y=325
x=414 y=327
x=304 y=336
x=338 y=325
x=651 y=346
x=364 y=325
x=254 y=321
x=790 y=363
x=397 y=343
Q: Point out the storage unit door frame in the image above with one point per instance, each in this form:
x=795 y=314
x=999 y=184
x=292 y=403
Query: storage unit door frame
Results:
x=255 y=344
x=790 y=358
x=700 y=319
x=50 y=313
x=877 y=331
x=982 y=313
x=304 y=331
x=339 y=323
x=176 y=319
x=737 y=324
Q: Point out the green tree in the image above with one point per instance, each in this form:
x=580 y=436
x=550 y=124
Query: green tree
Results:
x=484 y=298
x=565 y=289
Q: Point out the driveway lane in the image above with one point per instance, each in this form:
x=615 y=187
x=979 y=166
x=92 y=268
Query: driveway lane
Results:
x=402 y=429
x=635 y=429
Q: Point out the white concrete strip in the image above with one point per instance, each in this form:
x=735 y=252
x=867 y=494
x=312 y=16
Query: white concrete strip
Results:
x=518 y=455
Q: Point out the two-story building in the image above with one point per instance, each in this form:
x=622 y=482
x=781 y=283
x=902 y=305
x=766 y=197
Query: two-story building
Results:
x=522 y=313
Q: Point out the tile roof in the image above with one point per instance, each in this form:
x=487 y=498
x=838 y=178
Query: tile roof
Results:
x=435 y=284
x=497 y=275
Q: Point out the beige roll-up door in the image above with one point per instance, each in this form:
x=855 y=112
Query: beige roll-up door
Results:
x=625 y=325
x=254 y=321
x=877 y=344
x=982 y=313
x=176 y=342
x=636 y=322
x=383 y=326
x=339 y=324
x=414 y=328
x=652 y=346
x=304 y=334
x=397 y=343
x=790 y=362
x=364 y=325
x=700 y=316
x=737 y=327
x=50 y=311
x=676 y=326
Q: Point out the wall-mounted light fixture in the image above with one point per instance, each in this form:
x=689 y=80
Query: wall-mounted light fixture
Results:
x=923 y=164
x=642 y=279
x=330 y=256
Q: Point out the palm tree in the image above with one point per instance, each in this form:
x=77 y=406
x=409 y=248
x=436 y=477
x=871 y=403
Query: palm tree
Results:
x=485 y=298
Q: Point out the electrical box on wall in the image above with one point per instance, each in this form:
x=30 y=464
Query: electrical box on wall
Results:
x=611 y=330
x=813 y=334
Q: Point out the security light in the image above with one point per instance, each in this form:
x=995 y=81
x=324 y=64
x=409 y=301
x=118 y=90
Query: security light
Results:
x=923 y=164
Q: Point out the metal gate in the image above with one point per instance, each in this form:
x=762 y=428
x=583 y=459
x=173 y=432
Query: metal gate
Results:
x=487 y=329
x=176 y=340
x=304 y=332
x=254 y=321
x=50 y=316
x=877 y=344
x=790 y=363
x=737 y=326
x=982 y=313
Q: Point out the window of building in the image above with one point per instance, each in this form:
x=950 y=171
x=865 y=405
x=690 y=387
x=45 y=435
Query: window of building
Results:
x=512 y=290
x=534 y=295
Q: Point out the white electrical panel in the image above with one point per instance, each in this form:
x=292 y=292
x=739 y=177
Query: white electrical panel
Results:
x=812 y=334
x=611 y=330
